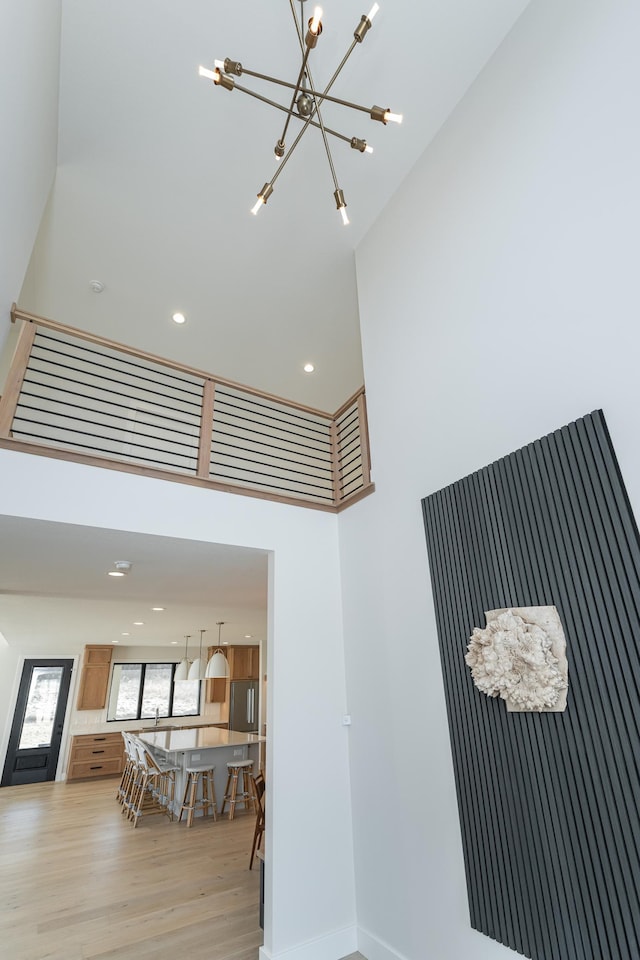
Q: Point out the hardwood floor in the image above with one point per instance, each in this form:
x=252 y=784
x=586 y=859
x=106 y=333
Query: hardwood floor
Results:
x=78 y=882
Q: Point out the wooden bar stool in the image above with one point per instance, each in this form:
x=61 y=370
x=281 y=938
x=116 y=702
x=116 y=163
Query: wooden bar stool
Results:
x=237 y=788
x=191 y=801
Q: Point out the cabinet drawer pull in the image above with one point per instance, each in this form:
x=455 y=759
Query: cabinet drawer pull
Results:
x=97 y=751
x=96 y=768
x=99 y=739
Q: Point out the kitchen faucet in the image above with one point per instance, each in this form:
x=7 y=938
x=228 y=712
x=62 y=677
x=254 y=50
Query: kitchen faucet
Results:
x=157 y=715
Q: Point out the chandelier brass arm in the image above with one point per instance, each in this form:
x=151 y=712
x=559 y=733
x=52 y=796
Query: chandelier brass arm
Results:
x=281 y=143
x=267 y=189
x=309 y=90
x=354 y=142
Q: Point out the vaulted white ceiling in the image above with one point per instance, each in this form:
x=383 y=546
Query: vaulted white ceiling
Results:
x=157 y=170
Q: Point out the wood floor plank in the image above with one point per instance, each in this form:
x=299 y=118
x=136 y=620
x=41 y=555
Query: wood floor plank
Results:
x=77 y=882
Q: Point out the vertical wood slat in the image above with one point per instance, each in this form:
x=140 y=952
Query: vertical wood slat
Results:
x=17 y=370
x=365 y=453
x=335 y=460
x=206 y=429
x=547 y=802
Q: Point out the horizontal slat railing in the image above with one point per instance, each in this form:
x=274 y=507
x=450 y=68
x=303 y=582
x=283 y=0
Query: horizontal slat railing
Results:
x=76 y=395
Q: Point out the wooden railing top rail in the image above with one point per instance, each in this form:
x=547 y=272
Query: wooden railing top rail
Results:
x=18 y=314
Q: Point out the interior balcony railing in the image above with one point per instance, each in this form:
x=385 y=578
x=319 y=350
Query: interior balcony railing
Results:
x=73 y=395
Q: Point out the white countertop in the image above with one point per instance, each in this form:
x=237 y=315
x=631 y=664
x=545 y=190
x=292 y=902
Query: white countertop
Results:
x=198 y=738
x=138 y=726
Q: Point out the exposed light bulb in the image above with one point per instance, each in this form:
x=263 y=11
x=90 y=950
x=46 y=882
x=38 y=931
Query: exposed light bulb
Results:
x=210 y=74
x=259 y=203
x=345 y=218
x=315 y=20
x=218 y=64
x=393 y=117
x=368 y=149
x=372 y=12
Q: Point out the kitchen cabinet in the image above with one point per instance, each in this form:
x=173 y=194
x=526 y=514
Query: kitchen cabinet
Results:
x=95 y=755
x=94 y=679
x=244 y=662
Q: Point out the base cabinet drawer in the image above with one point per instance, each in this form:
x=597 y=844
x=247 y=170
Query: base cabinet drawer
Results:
x=96 y=755
x=94 y=768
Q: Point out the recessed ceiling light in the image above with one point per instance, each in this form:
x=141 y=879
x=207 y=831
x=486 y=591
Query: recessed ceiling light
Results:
x=157 y=609
x=115 y=641
x=225 y=643
x=138 y=623
x=174 y=643
x=248 y=636
x=125 y=634
x=308 y=368
x=179 y=318
x=120 y=568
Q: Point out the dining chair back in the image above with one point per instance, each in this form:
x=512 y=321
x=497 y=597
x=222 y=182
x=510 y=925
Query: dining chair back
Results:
x=258 y=789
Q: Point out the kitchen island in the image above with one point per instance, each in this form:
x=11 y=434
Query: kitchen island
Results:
x=199 y=745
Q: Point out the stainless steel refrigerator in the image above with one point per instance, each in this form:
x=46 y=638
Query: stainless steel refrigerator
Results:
x=243 y=706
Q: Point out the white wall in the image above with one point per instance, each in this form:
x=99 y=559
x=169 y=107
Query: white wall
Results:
x=499 y=300
x=310 y=900
x=29 y=60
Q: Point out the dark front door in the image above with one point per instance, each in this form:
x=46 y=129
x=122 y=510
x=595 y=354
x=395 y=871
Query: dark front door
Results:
x=36 y=733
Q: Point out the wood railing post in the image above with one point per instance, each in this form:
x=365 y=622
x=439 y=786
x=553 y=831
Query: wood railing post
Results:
x=335 y=459
x=15 y=378
x=364 y=440
x=206 y=430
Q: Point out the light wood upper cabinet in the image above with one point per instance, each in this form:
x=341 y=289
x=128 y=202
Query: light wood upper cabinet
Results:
x=244 y=662
x=94 y=680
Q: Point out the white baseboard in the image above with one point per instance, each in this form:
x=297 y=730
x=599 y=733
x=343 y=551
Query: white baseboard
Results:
x=374 y=949
x=332 y=947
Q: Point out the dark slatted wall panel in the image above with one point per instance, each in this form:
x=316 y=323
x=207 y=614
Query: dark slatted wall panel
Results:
x=548 y=802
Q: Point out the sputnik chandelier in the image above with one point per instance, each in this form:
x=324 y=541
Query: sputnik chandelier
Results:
x=306 y=101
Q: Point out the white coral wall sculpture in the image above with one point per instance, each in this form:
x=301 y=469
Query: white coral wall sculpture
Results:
x=521 y=656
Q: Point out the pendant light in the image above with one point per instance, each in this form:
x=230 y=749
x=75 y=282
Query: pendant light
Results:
x=218 y=666
x=197 y=668
x=182 y=669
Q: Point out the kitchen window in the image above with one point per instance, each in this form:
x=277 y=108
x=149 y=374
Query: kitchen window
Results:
x=142 y=691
